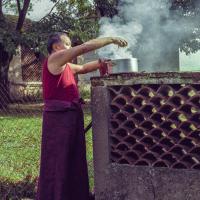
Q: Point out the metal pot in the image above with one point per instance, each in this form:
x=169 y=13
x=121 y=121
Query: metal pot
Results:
x=125 y=65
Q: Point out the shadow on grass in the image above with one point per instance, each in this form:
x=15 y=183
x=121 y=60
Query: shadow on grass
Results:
x=20 y=190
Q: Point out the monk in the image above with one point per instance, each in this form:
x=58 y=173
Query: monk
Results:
x=63 y=166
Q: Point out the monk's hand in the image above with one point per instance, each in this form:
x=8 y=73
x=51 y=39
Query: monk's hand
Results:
x=107 y=61
x=119 y=41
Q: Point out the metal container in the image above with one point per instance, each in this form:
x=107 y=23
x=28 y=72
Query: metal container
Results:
x=125 y=65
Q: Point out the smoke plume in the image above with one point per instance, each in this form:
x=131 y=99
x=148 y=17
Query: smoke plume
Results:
x=152 y=30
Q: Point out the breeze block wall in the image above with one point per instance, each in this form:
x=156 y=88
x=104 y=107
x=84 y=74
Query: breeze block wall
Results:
x=146 y=134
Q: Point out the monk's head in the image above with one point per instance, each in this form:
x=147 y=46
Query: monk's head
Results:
x=58 y=41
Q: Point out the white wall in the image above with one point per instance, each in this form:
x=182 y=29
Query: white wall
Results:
x=15 y=69
x=190 y=62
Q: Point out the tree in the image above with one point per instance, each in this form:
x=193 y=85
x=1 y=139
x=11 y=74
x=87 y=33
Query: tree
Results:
x=106 y=8
x=9 y=39
x=190 y=10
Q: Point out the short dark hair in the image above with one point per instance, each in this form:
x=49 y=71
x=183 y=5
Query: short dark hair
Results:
x=54 y=38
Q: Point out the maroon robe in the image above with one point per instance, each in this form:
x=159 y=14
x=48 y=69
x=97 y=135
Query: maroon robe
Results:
x=63 y=171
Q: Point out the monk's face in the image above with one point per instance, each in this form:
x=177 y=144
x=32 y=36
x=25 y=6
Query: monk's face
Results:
x=66 y=42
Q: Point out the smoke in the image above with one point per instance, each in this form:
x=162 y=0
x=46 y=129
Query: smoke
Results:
x=117 y=27
x=152 y=30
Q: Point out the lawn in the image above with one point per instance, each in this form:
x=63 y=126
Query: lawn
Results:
x=19 y=154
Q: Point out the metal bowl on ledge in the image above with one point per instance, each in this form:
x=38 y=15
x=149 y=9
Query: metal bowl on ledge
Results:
x=125 y=65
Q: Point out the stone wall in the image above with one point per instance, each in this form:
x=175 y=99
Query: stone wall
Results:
x=31 y=91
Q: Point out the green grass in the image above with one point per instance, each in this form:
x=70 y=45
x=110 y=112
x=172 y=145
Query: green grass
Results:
x=20 y=148
x=85 y=91
x=89 y=151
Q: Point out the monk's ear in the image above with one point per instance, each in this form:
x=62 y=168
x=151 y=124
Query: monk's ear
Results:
x=56 y=47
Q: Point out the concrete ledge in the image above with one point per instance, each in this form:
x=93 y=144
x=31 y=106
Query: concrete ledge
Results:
x=147 y=78
x=145 y=183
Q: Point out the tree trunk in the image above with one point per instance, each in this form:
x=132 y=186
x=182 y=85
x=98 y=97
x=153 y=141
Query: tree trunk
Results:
x=22 y=15
x=2 y=18
x=1 y=11
x=5 y=59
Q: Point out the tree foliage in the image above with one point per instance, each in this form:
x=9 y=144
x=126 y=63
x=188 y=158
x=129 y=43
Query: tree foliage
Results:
x=106 y=8
x=190 y=11
x=76 y=17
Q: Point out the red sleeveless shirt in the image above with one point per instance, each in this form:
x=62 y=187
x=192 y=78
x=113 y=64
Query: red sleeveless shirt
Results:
x=59 y=87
